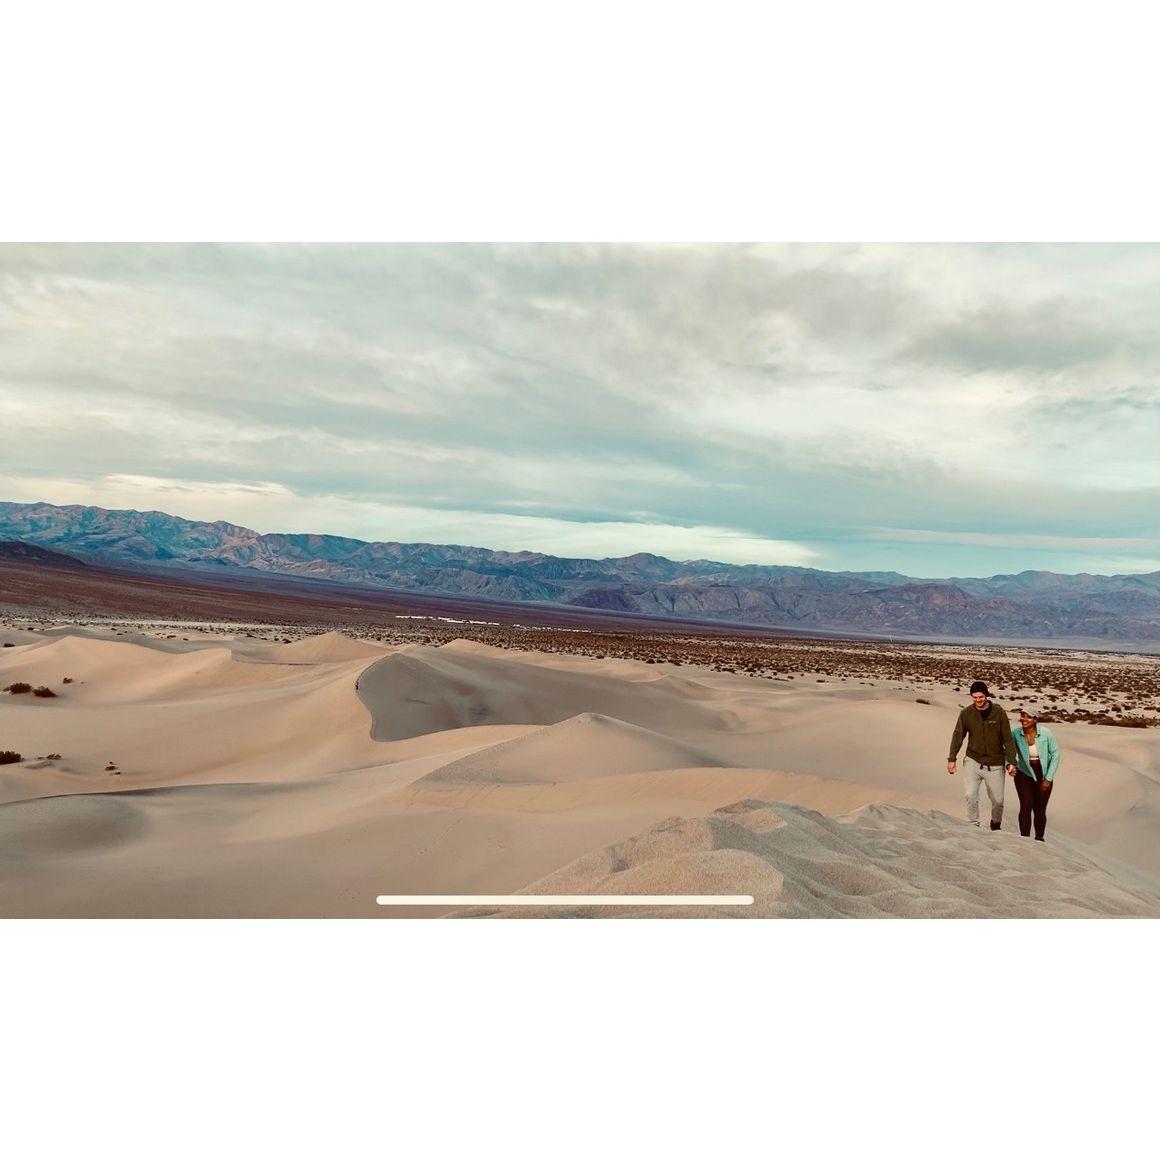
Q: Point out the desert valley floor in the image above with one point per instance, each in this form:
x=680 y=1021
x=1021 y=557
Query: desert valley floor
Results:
x=232 y=770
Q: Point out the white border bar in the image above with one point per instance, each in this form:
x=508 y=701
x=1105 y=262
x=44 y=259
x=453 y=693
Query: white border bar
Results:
x=565 y=900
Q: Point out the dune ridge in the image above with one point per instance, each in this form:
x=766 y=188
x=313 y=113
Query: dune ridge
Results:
x=419 y=689
x=585 y=746
x=878 y=861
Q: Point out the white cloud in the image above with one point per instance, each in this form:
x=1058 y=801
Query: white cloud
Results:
x=765 y=398
x=151 y=485
x=1012 y=540
x=272 y=507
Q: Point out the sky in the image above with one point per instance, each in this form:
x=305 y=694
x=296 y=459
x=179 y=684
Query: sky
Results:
x=933 y=410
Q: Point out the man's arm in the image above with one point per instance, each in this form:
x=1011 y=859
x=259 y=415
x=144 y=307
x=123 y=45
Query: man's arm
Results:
x=957 y=736
x=1008 y=737
x=956 y=742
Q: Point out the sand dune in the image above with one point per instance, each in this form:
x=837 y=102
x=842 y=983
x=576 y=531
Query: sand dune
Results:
x=304 y=779
x=585 y=746
x=880 y=861
x=324 y=648
x=121 y=672
x=420 y=690
x=660 y=793
x=93 y=822
x=163 y=716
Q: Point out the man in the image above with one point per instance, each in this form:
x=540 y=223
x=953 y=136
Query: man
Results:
x=990 y=750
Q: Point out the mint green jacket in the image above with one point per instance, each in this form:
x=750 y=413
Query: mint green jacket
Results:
x=1048 y=752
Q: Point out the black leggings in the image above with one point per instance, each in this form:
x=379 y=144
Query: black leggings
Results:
x=1033 y=797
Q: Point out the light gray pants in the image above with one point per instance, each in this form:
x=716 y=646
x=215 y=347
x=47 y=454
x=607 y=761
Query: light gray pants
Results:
x=975 y=775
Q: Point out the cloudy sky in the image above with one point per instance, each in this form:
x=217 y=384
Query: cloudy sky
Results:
x=934 y=410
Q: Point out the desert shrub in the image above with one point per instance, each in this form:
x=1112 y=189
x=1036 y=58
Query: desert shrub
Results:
x=9 y=644
x=18 y=687
x=43 y=691
x=921 y=701
x=52 y=757
x=9 y=757
x=67 y=681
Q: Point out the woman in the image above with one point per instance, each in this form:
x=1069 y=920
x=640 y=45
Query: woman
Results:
x=1036 y=762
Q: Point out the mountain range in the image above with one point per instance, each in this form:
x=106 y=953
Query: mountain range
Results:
x=1029 y=604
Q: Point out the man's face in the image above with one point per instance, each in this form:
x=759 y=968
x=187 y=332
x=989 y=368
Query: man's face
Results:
x=980 y=699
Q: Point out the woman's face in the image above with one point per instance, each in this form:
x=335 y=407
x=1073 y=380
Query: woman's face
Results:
x=1026 y=721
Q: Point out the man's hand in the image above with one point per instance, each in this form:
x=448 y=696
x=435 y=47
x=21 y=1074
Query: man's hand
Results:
x=951 y=768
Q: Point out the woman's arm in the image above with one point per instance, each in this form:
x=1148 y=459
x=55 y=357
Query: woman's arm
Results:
x=1022 y=753
x=1051 y=764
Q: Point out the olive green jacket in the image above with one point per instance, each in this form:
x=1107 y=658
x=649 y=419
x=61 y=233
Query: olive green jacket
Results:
x=989 y=739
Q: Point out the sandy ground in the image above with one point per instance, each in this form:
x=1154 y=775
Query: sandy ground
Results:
x=256 y=778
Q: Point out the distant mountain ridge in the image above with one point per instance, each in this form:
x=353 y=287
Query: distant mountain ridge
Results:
x=1029 y=604
x=31 y=554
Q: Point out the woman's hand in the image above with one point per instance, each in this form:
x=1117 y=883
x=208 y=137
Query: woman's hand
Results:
x=1011 y=770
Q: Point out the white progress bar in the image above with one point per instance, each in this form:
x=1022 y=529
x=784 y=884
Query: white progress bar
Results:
x=565 y=900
